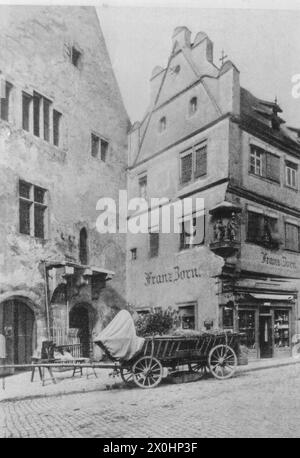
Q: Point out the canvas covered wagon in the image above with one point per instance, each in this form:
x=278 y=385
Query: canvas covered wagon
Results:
x=142 y=359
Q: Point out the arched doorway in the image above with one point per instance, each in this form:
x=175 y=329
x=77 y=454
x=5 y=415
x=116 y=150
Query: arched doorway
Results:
x=17 y=326
x=81 y=318
x=83 y=250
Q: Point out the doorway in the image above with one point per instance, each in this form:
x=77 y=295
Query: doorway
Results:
x=17 y=326
x=80 y=318
x=265 y=336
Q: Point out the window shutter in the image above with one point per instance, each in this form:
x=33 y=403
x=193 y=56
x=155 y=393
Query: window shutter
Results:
x=201 y=162
x=272 y=167
x=186 y=168
x=291 y=237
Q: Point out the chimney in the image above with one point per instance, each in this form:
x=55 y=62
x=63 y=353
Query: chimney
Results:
x=133 y=143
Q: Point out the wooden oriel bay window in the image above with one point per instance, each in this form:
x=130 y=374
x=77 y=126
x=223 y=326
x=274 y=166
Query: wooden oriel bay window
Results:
x=32 y=209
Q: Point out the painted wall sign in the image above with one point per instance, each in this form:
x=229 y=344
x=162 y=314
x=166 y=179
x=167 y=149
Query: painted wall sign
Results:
x=173 y=276
x=279 y=261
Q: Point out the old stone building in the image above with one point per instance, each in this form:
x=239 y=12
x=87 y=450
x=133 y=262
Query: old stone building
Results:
x=63 y=137
x=205 y=136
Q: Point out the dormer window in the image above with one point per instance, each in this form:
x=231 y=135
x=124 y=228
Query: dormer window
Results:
x=193 y=105
x=162 y=124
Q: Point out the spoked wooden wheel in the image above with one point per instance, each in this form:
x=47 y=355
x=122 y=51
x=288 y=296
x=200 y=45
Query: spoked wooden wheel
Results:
x=126 y=375
x=199 y=368
x=222 y=361
x=147 y=372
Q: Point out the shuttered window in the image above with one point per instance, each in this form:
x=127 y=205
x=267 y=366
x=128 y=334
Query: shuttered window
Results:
x=201 y=162
x=186 y=168
x=292 y=237
x=264 y=164
x=194 y=164
x=154 y=243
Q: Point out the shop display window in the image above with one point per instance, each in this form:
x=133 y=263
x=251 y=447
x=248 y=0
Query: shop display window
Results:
x=281 y=328
x=247 y=327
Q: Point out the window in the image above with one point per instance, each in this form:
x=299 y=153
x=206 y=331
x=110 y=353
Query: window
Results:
x=104 y=150
x=26 y=105
x=281 y=329
x=246 y=319
x=36 y=113
x=95 y=143
x=5 y=101
x=75 y=56
x=193 y=105
x=133 y=253
x=227 y=317
x=56 y=127
x=262 y=229
x=162 y=124
x=192 y=232
x=187 y=316
x=193 y=164
x=46 y=113
x=291 y=174
x=83 y=250
x=154 y=244
x=292 y=237
x=264 y=164
x=177 y=69
x=32 y=208
x=143 y=186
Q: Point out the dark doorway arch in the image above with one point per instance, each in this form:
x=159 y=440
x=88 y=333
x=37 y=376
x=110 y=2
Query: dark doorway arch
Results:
x=17 y=326
x=81 y=318
x=83 y=249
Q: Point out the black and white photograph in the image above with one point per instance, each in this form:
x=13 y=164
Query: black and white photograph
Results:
x=149 y=222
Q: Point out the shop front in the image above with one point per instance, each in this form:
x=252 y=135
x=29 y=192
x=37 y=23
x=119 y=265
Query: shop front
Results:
x=266 y=322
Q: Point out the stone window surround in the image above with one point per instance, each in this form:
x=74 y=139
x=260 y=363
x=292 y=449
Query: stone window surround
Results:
x=192 y=149
x=31 y=200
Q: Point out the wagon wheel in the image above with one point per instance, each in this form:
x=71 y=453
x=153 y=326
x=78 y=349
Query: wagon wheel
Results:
x=147 y=372
x=126 y=375
x=222 y=361
x=199 y=368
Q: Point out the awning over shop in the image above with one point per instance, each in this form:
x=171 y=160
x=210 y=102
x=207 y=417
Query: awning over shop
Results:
x=273 y=297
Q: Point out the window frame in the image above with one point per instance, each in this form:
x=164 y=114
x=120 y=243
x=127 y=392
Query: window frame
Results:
x=8 y=102
x=33 y=204
x=265 y=161
x=293 y=167
x=264 y=216
x=202 y=145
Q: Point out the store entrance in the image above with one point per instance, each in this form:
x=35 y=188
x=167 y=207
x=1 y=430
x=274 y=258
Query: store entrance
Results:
x=265 y=336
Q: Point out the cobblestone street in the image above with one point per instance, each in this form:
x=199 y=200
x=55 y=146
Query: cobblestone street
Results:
x=263 y=403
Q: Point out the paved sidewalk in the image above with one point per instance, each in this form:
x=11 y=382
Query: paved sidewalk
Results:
x=19 y=387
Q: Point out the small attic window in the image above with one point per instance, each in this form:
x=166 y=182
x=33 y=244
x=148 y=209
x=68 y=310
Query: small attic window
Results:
x=193 y=105
x=75 y=56
x=162 y=124
x=177 y=69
